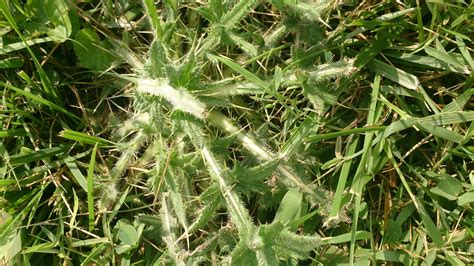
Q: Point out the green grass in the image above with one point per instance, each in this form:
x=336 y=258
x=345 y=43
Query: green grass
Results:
x=236 y=132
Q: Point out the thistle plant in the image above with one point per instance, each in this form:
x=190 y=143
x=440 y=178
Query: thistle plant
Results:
x=169 y=93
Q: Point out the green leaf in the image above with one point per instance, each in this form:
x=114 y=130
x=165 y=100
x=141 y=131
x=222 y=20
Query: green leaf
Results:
x=154 y=19
x=90 y=188
x=466 y=198
x=428 y=123
x=41 y=100
x=427 y=61
x=321 y=96
x=442 y=193
x=292 y=245
x=11 y=63
x=243 y=44
x=237 y=211
x=35 y=155
x=453 y=258
x=267 y=256
x=251 y=179
x=394 y=74
x=89 y=242
x=127 y=232
x=10 y=245
x=92 y=52
x=237 y=12
x=123 y=248
x=370 y=52
x=341 y=185
x=244 y=72
x=290 y=207
x=442 y=132
x=242 y=255
x=460 y=102
x=80 y=179
x=450 y=185
x=57 y=12
x=207 y=13
x=447 y=58
x=293 y=144
x=394 y=15
x=430 y=258
x=46 y=247
x=359 y=235
x=83 y=138
x=393 y=232
x=465 y=52
x=4 y=49
x=12 y=132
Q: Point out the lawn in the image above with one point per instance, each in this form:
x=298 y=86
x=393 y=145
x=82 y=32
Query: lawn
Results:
x=279 y=132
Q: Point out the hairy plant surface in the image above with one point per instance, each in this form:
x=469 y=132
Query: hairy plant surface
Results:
x=278 y=132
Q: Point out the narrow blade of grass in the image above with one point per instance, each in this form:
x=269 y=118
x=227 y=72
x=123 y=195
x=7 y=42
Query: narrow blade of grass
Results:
x=12 y=132
x=341 y=133
x=425 y=61
x=460 y=102
x=396 y=75
x=90 y=188
x=360 y=235
x=425 y=217
x=244 y=72
x=45 y=81
x=43 y=101
x=5 y=49
x=84 y=138
x=362 y=171
x=11 y=63
x=429 y=122
x=80 y=179
x=310 y=124
x=364 y=57
x=35 y=155
x=400 y=91
x=443 y=56
x=341 y=184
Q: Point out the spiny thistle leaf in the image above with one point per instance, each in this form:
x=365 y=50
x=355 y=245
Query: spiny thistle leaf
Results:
x=291 y=245
x=169 y=227
x=242 y=255
x=251 y=179
x=175 y=194
x=267 y=256
x=178 y=98
x=158 y=61
x=152 y=225
x=212 y=200
x=238 y=213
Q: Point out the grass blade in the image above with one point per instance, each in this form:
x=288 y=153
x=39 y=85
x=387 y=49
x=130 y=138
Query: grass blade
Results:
x=394 y=74
x=12 y=133
x=84 y=138
x=43 y=154
x=429 y=224
x=90 y=188
x=363 y=168
x=341 y=184
x=244 y=72
x=45 y=102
